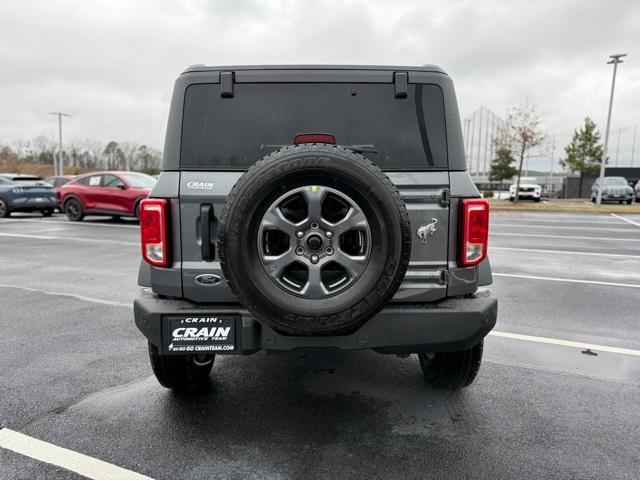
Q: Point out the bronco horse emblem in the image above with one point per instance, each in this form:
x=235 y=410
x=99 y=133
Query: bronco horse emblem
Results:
x=427 y=230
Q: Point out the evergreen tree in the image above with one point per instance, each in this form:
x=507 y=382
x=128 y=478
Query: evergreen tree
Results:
x=501 y=166
x=584 y=153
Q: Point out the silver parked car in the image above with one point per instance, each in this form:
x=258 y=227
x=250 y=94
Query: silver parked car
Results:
x=614 y=189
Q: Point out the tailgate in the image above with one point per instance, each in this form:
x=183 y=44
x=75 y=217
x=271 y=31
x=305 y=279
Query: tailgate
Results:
x=426 y=197
x=198 y=192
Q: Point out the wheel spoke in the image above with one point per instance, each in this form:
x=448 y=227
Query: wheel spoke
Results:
x=314 y=287
x=273 y=218
x=314 y=195
x=275 y=264
x=353 y=264
x=354 y=219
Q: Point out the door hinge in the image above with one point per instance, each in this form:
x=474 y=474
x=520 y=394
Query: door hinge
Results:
x=401 y=84
x=226 y=84
x=444 y=277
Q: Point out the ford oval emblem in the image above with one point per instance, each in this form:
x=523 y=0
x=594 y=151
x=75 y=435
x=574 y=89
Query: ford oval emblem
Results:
x=208 y=279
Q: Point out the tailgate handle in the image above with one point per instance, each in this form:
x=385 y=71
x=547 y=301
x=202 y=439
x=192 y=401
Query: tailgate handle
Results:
x=207 y=221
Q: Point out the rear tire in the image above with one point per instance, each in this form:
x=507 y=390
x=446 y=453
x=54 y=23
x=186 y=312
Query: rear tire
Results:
x=629 y=201
x=4 y=209
x=47 y=213
x=74 y=210
x=451 y=370
x=182 y=373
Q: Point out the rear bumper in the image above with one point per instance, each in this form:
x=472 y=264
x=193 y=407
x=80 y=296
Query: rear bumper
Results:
x=29 y=204
x=525 y=195
x=448 y=325
x=609 y=197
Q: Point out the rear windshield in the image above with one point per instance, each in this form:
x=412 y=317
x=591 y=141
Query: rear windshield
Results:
x=233 y=133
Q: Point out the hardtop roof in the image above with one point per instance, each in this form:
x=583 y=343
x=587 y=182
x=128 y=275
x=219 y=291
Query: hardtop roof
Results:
x=393 y=68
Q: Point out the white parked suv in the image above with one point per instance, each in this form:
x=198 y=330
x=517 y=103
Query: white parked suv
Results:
x=529 y=190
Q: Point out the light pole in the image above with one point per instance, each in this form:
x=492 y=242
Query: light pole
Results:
x=58 y=168
x=615 y=60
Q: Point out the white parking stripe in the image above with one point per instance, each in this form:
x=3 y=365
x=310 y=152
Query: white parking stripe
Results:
x=71 y=224
x=604 y=221
x=89 y=223
x=64 y=458
x=25 y=235
x=567 y=280
x=562 y=227
x=71 y=295
x=73 y=239
x=564 y=252
x=625 y=220
x=565 y=343
x=564 y=236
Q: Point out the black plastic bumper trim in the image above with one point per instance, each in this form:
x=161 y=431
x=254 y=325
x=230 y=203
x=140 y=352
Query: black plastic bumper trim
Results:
x=448 y=325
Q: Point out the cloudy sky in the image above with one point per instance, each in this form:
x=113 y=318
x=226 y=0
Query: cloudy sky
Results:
x=111 y=64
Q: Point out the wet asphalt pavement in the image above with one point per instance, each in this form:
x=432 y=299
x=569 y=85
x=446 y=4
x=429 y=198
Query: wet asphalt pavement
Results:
x=75 y=371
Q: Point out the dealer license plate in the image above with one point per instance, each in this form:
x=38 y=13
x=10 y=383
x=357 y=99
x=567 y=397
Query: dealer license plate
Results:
x=199 y=334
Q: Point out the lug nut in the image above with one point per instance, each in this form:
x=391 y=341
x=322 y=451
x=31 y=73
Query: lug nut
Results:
x=314 y=258
x=299 y=251
x=314 y=225
x=328 y=234
x=328 y=251
x=300 y=234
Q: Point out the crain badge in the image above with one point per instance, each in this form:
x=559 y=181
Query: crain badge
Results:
x=200 y=185
x=426 y=231
x=208 y=279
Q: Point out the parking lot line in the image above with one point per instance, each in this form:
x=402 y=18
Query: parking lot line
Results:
x=568 y=280
x=565 y=252
x=71 y=295
x=564 y=236
x=74 y=239
x=64 y=458
x=562 y=227
x=89 y=223
x=625 y=220
x=71 y=224
x=25 y=235
x=565 y=343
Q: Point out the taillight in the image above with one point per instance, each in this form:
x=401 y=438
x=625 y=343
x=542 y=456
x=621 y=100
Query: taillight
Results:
x=153 y=231
x=474 y=229
x=314 y=138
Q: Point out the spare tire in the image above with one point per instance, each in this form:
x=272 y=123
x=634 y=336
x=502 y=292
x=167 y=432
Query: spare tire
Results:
x=314 y=239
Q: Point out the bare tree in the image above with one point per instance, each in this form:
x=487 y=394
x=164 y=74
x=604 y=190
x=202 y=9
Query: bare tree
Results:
x=44 y=150
x=521 y=134
x=129 y=150
x=10 y=158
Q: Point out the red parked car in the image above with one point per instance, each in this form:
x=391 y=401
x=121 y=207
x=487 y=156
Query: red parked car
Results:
x=117 y=194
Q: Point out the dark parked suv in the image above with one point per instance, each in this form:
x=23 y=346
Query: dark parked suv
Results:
x=316 y=207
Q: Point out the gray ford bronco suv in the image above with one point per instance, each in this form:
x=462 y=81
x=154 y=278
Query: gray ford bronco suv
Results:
x=314 y=207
